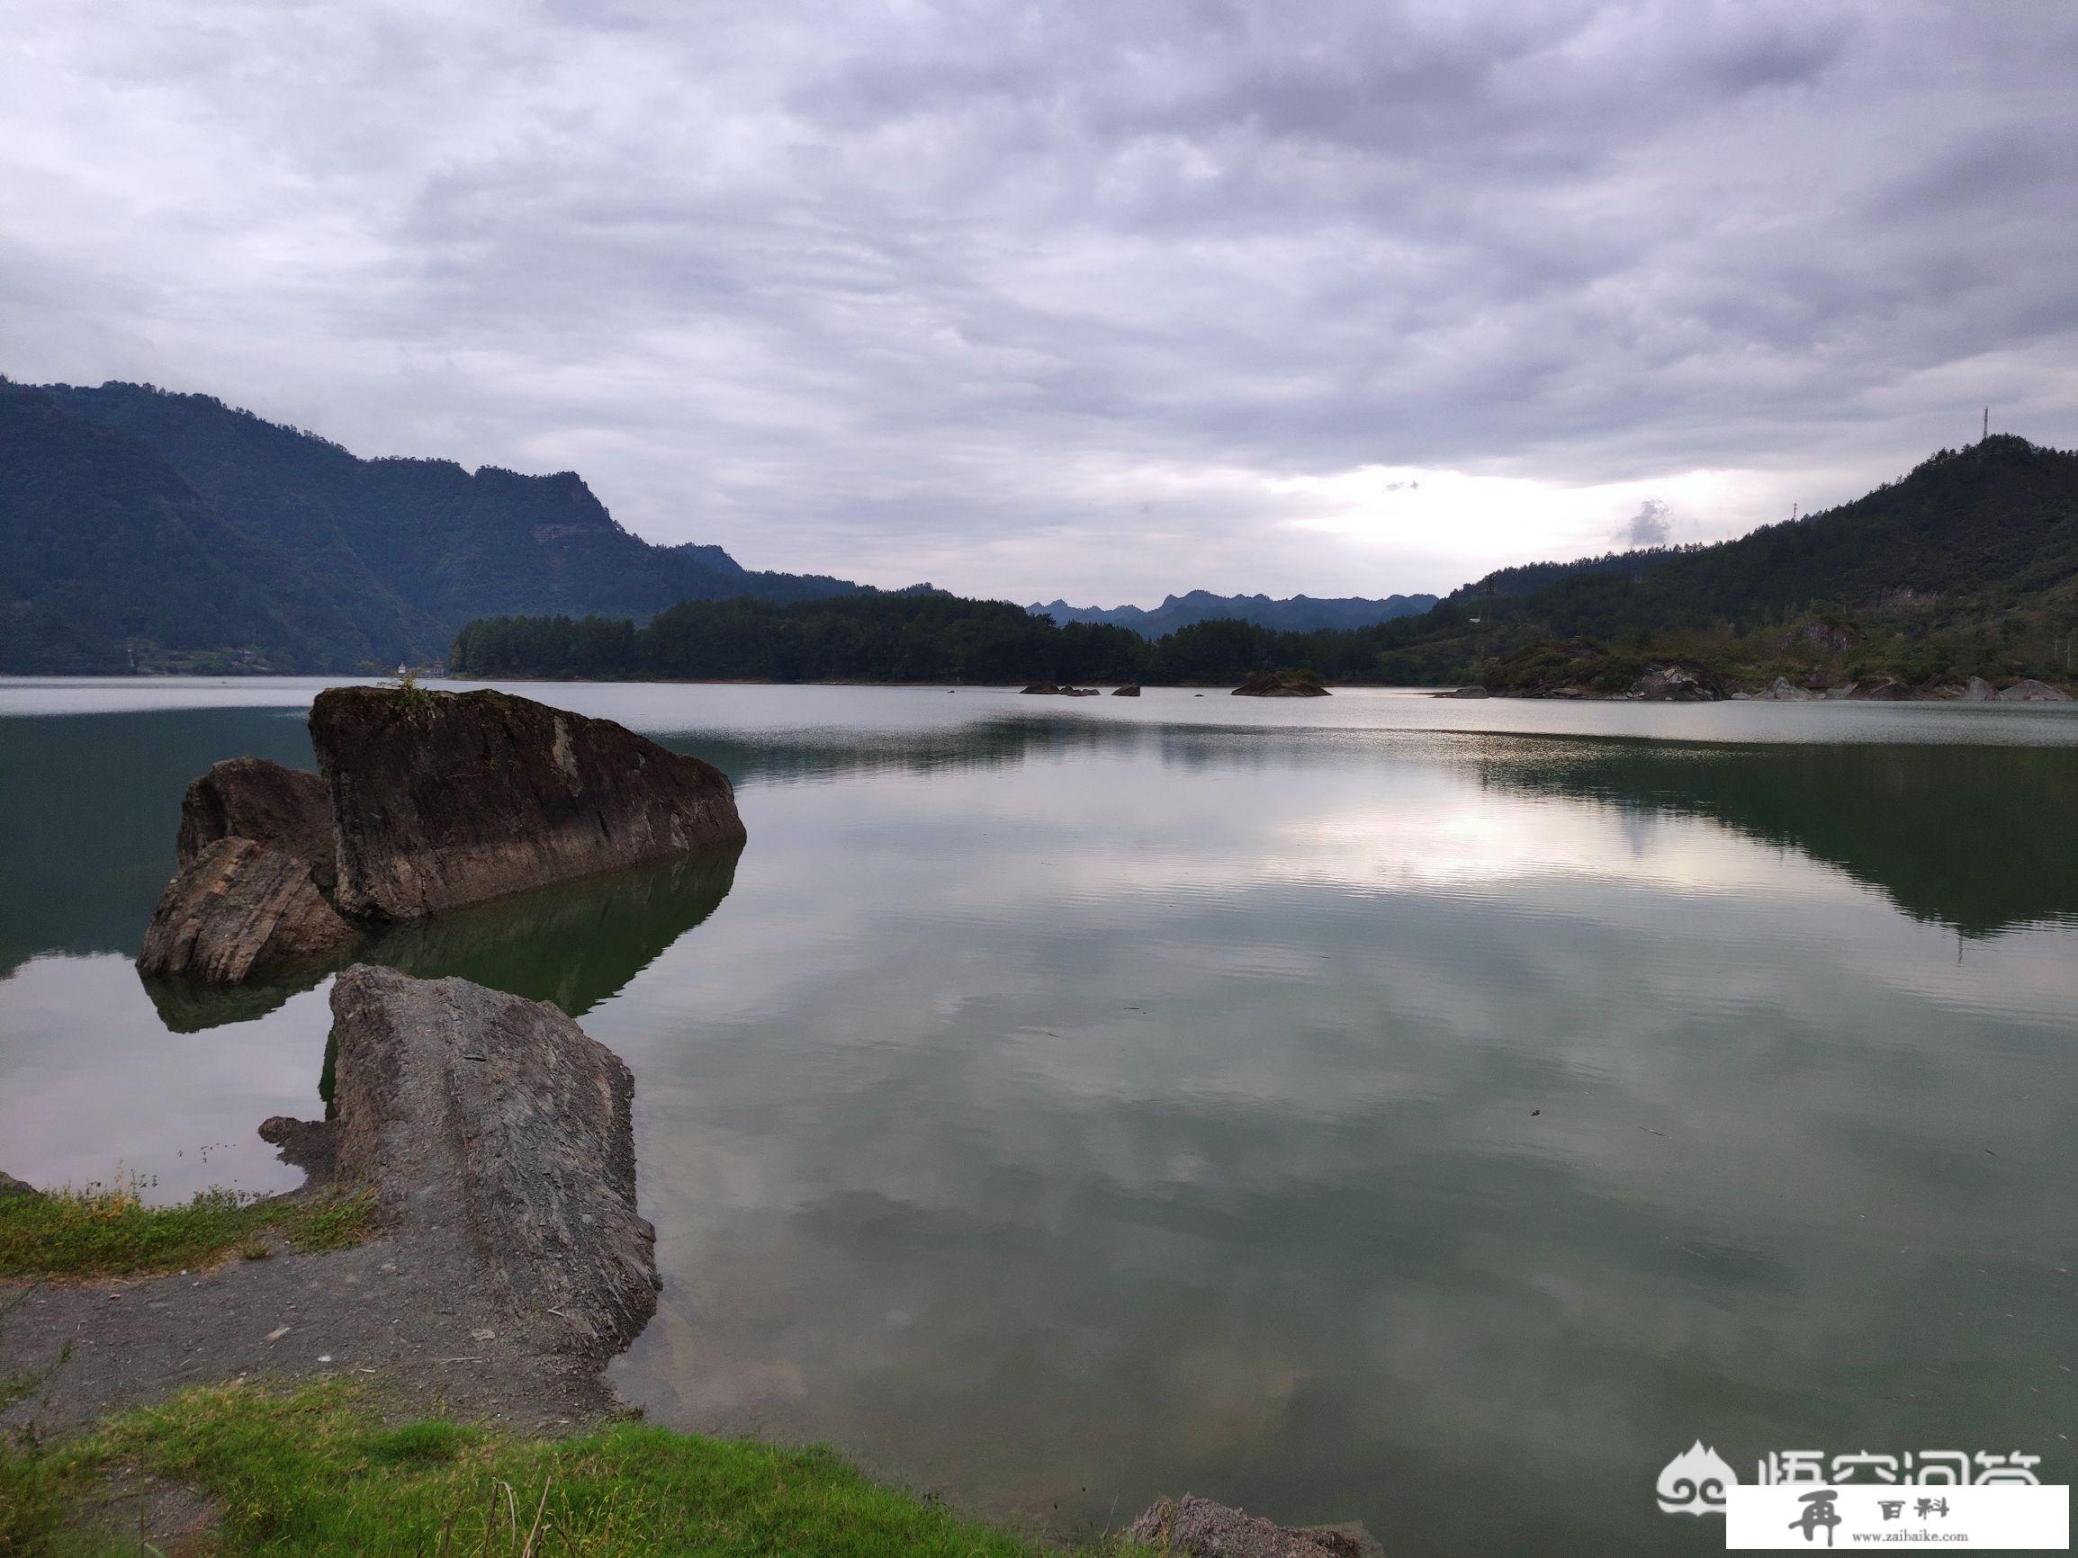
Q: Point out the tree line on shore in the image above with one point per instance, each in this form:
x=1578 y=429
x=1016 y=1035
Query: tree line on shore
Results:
x=1966 y=566
x=897 y=638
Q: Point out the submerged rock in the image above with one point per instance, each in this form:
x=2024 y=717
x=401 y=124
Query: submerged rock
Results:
x=1462 y=692
x=2031 y=691
x=1203 y=1529
x=1282 y=684
x=495 y=1122
x=240 y=908
x=287 y=809
x=443 y=799
x=1130 y=690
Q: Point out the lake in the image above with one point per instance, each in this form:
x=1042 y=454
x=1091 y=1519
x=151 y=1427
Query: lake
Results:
x=1431 y=1113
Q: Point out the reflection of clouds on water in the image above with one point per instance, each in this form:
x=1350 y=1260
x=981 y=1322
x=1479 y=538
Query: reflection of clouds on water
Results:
x=1219 y=1168
x=91 y=1080
x=1064 y=1102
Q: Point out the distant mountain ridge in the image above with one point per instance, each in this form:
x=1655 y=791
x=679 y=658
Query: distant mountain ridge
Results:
x=143 y=527
x=1299 y=614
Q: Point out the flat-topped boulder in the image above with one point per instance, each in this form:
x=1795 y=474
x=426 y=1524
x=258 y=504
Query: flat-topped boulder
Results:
x=288 y=809
x=494 y=1122
x=239 y=909
x=442 y=799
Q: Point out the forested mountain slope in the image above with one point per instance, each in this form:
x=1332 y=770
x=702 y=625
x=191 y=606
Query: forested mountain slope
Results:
x=406 y=549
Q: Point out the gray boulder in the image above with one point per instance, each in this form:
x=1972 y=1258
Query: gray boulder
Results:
x=443 y=799
x=1203 y=1529
x=1783 y=690
x=238 y=909
x=2031 y=691
x=1977 y=690
x=1130 y=690
x=287 y=809
x=1672 y=683
x=494 y=1122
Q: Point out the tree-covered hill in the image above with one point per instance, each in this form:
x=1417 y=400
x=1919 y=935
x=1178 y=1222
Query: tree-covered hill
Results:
x=104 y=546
x=1299 y=614
x=1969 y=565
x=369 y=561
x=914 y=636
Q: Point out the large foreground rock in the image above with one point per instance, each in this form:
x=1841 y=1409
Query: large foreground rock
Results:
x=238 y=909
x=288 y=809
x=494 y=1122
x=442 y=799
x=1203 y=1529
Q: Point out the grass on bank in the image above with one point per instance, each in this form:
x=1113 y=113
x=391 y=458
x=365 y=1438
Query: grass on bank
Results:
x=319 y=1471
x=107 y=1230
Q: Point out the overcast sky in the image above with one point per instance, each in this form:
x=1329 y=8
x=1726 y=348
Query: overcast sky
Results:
x=1097 y=300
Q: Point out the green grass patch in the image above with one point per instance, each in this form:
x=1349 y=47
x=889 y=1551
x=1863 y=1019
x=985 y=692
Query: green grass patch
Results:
x=318 y=1471
x=108 y=1230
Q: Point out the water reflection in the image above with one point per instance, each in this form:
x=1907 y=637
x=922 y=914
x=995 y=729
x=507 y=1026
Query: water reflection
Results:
x=89 y=805
x=574 y=945
x=1440 y=1128
x=1975 y=838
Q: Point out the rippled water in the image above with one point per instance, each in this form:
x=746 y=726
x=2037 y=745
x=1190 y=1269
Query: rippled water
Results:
x=1431 y=1113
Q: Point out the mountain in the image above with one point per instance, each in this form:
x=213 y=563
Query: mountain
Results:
x=1300 y=614
x=1966 y=565
x=167 y=530
x=104 y=545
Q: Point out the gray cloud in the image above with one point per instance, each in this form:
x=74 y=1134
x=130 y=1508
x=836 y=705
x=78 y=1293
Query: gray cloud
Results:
x=1057 y=299
x=1650 y=526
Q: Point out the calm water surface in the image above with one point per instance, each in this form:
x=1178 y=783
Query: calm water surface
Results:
x=1431 y=1113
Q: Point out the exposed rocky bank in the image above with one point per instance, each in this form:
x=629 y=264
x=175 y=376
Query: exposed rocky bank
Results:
x=511 y=1262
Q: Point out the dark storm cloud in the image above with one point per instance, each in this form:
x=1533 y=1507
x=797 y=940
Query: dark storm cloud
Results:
x=1101 y=300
